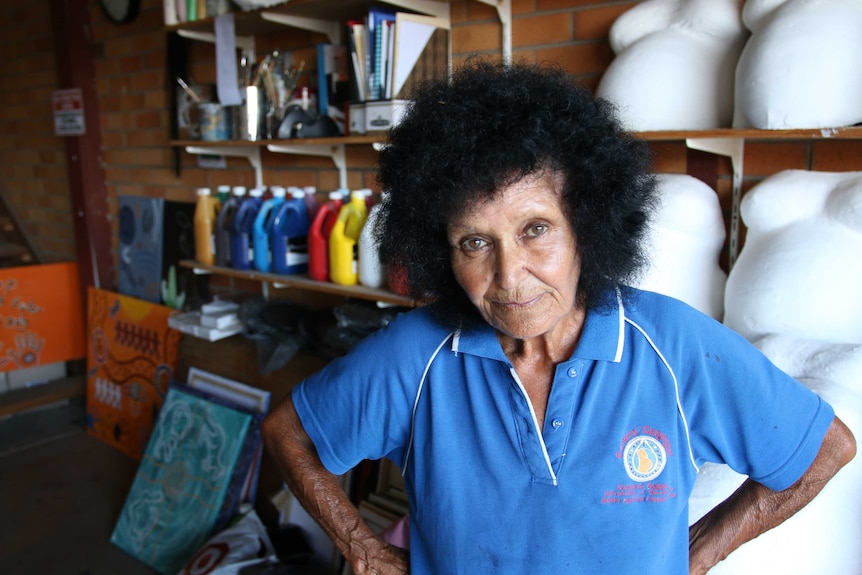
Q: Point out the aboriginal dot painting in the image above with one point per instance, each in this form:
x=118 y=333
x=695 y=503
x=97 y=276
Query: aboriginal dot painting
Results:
x=181 y=483
x=131 y=358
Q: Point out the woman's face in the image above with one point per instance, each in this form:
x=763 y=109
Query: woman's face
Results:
x=516 y=257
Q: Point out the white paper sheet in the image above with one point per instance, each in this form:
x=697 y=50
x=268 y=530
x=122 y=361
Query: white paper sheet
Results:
x=227 y=79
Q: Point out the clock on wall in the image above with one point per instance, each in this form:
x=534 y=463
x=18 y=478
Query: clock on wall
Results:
x=120 y=11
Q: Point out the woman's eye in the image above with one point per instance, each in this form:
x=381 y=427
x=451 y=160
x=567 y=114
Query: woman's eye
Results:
x=473 y=244
x=537 y=229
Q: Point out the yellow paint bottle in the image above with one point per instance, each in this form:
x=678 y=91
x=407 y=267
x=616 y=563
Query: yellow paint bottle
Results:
x=343 y=241
x=206 y=212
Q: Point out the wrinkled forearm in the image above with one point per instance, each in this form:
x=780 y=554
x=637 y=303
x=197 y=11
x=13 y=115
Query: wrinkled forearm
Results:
x=754 y=509
x=320 y=493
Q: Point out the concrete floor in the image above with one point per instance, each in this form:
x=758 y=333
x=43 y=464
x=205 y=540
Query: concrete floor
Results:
x=61 y=492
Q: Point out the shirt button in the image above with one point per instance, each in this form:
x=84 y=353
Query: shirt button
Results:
x=557 y=423
x=572 y=372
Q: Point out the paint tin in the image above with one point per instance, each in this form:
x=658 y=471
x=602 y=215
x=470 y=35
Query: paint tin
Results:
x=249 y=116
x=214 y=122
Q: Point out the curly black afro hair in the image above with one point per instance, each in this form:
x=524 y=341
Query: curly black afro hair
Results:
x=462 y=140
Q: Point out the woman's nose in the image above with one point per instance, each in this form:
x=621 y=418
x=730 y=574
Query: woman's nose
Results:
x=510 y=265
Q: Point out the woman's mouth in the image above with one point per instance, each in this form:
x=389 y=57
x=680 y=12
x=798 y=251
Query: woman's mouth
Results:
x=517 y=303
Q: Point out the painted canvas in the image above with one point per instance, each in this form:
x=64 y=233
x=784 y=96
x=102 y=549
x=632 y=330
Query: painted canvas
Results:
x=140 y=258
x=41 y=315
x=154 y=236
x=131 y=359
x=181 y=483
x=242 y=486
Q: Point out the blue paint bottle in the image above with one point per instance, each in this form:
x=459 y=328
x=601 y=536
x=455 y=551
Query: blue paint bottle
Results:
x=263 y=228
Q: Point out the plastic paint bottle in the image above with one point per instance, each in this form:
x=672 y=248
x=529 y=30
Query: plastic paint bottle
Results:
x=318 y=236
x=263 y=228
x=223 y=193
x=289 y=236
x=242 y=232
x=369 y=198
x=371 y=271
x=343 y=248
x=206 y=213
x=311 y=201
x=225 y=224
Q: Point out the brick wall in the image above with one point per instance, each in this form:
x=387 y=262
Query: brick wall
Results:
x=134 y=101
x=33 y=177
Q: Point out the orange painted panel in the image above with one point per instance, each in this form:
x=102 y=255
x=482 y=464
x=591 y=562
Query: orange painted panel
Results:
x=131 y=358
x=41 y=315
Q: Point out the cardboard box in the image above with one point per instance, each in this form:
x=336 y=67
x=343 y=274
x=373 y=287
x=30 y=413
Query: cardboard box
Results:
x=383 y=114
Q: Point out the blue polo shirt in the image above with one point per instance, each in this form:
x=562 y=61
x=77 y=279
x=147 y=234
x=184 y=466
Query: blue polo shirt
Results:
x=653 y=390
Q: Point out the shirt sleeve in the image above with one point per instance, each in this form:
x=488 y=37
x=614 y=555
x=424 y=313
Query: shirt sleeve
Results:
x=744 y=411
x=360 y=405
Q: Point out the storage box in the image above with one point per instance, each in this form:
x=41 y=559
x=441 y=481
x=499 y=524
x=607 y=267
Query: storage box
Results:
x=383 y=114
x=190 y=323
x=356 y=118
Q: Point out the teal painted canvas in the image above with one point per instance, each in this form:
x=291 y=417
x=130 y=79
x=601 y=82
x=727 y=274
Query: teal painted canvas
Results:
x=181 y=483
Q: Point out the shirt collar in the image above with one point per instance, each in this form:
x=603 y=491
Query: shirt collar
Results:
x=602 y=337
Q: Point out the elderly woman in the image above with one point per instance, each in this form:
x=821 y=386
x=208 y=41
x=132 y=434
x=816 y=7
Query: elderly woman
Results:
x=546 y=418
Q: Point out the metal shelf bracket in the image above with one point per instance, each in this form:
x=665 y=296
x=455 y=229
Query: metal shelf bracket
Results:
x=504 y=12
x=429 y=7
x=250 y=153
x=334 y=152
x=244 y=42
x=328 y=27
x=734 y=148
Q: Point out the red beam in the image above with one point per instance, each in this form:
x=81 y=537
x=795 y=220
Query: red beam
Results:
x=75 y=69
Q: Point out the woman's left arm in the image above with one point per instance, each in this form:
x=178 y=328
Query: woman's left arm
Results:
x=754 y=509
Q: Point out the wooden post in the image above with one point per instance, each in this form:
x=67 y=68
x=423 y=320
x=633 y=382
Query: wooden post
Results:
x=75 y=69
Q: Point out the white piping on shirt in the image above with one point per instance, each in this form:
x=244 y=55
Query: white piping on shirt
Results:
x=535 y=425
x=621 y=334
x=456 y=336
x=416 y=401
x=676 y=388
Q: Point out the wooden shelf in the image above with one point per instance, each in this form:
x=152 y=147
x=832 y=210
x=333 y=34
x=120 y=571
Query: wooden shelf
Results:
x=346 y=140
x=303 y=282
x=252 y=22
x=844 y=133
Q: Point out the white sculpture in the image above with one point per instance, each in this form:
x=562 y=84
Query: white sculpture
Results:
x=794 y=292
x=824 y=536
x=800 y=272
x=800 y=68
x=684 y=243
x=675 y=63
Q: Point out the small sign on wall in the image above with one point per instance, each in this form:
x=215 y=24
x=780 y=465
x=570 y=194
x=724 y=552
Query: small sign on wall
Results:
x=69 y=112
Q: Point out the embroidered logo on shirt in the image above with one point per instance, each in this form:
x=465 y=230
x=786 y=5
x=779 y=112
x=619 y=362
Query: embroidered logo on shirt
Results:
x=644 y=458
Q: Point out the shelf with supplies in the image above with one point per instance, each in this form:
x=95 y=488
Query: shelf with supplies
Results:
x=419 y=46
x=333 y=148
x=324 y=16
x=303 y=282
x=306 y=14
x=379 y=138
x=840 y=133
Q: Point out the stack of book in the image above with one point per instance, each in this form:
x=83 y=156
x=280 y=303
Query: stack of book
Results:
x=384 y=50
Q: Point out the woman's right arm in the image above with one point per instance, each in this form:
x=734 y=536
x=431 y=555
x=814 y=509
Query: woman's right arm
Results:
x=320 y=493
